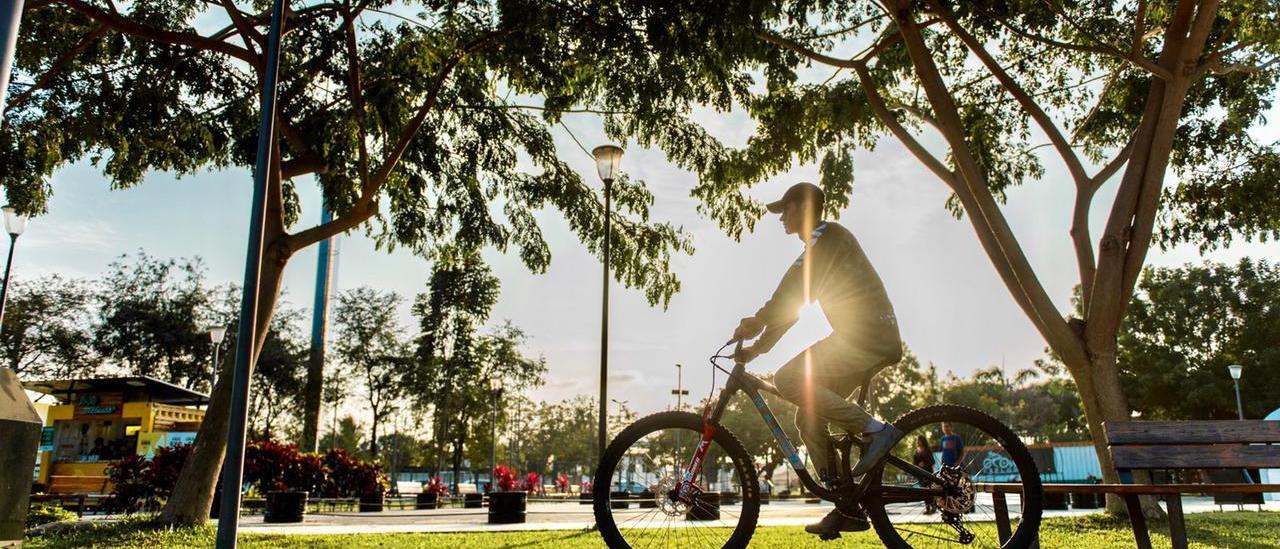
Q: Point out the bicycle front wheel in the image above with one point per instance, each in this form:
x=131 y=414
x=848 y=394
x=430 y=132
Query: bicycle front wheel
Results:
x=633 y=490
x=970 y=454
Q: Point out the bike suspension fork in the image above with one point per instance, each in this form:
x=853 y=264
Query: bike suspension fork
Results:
x=689 y=484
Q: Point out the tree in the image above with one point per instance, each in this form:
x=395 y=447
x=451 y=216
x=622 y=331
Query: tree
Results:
x=1125 y=91
x=560 y=432
x=278 y=377
x=379 y=110
x=46 y=331
x=346 y=437
x=150 y=314
x=1186 y=324
x=371 y=342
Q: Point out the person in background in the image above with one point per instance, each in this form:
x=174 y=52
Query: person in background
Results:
x=952 y=446
x=923 y=459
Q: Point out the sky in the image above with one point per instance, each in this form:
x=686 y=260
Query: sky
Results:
x=952 y=308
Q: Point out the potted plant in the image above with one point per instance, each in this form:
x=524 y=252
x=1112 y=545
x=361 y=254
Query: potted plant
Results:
x=584 y=493
x=432 y=493
x=284 y=476
x=507 y=504
x=706 y=507
x=562 y=483
x=371 y=485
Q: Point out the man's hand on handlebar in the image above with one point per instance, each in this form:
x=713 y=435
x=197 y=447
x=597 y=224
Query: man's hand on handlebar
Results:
x=748 y=328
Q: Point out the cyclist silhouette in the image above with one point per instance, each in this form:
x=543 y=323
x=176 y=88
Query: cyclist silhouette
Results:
x=834 y=271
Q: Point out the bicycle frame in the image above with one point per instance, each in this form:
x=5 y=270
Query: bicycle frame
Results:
x=740 y=380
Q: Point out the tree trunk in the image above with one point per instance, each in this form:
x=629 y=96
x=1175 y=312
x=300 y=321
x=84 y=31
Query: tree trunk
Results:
x=193 y=492
x=373 y=437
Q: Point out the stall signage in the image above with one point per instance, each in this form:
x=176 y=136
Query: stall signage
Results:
x=46 y=439
x=87 y=400
x=98 y=410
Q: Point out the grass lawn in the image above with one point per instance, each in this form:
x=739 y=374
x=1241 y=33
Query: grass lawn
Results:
x=1234 y=530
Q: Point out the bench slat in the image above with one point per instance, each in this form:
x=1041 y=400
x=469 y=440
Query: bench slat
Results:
x=1192 y=432
x=1147 y=489
x=1226 y=456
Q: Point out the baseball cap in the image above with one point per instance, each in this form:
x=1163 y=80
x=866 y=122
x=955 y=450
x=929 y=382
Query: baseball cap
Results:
x=798 y=192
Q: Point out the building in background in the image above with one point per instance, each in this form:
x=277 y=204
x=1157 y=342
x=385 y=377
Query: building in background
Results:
x=99 y=421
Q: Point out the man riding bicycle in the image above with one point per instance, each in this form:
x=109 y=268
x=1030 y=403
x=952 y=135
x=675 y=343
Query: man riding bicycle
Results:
x=834 y=271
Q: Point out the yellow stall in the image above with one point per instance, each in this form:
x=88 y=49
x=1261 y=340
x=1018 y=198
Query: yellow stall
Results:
x=98 y=421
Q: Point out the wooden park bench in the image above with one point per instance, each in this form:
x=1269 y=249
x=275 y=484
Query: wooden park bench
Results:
x=1172 y=446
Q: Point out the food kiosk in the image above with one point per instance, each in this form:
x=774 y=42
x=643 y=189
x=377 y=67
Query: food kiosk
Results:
x=98 y=421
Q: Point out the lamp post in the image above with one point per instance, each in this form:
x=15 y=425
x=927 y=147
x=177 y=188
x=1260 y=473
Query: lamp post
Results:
x=495 y=389
x=216 y=335
x=608 y=158
x=14 y=224
x=1235 y=370
x=680 y=392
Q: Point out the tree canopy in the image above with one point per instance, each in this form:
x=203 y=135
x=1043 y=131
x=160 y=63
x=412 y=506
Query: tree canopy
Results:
x=1187 y=324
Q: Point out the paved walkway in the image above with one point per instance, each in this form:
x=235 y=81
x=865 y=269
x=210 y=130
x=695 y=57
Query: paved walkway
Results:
x=565 y=516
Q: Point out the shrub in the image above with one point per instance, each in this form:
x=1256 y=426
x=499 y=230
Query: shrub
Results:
x=532 y=482
x=273 y=466
x=41 y=513
x=165 y=467
x=505 y=477
x=129 y=484
x=436 y=486
x=349 y=477
x=562 y=483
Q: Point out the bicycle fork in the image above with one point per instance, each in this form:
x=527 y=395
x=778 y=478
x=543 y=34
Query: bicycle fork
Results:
x=688 y=488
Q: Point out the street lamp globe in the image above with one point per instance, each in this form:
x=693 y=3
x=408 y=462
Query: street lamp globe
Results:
x=217 y=333
x=14 y=222
x=1235 y=370
x=608 y=159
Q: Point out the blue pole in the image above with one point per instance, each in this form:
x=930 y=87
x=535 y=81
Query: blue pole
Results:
x=319 y=322
x=10 y=16
x=233 y=466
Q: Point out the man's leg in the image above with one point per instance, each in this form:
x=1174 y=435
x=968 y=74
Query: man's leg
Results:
x=819 y=381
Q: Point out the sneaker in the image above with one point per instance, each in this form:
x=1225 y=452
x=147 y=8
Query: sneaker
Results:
x=881 y=442
x=836 y=522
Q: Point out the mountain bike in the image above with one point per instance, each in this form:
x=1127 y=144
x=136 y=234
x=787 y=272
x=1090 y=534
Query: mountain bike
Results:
x=694 y=469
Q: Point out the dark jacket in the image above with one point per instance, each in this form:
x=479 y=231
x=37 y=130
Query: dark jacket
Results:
x=842 y=280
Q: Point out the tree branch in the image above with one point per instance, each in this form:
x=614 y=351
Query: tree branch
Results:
x=1074 y=166
x=989 y=223
x=1135 y=60
x=58 y=65
x=802 y=50
x=355 y=92
x=366 y=205
x=247 y=32
x=125 y=25
x=887 y=118
x=1112 y=167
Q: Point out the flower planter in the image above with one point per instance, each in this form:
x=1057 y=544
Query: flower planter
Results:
x=764 y=498
x=1057 y=502
x=427 y=500
x=618 y=500
x=706 y=507
x=284 y=507
x=472 y=501
x=1086 y=500
x=729 y=498
x=584 y=498
x=372 y=503
x=507 y=507
x=648 y=500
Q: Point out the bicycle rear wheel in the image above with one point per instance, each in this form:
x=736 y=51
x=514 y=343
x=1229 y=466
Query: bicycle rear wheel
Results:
x=652 y=455
x=959 y=512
